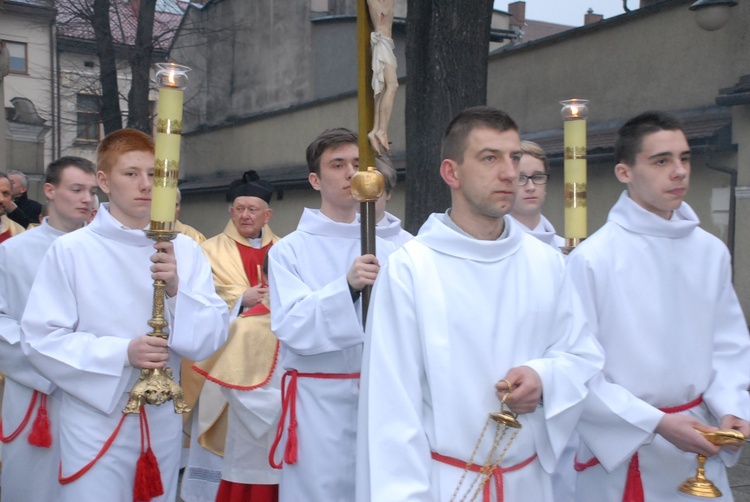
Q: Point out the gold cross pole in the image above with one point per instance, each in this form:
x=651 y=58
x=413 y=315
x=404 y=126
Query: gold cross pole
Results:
x=367 y=185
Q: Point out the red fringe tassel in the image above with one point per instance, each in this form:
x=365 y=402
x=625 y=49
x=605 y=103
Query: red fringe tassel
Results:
x=40 y=434
x=147 y=475
x=290 y=453
x=633 y=484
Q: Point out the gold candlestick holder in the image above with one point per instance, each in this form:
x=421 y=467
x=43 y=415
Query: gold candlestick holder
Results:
x=699 y=485
x=157 y=386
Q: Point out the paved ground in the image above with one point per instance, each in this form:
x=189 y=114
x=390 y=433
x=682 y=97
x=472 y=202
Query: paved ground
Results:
x=739 y=477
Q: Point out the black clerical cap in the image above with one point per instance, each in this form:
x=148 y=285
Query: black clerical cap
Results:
x=250 y=185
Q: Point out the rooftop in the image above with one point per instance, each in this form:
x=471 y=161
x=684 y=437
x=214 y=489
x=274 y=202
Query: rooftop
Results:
x=73 y=20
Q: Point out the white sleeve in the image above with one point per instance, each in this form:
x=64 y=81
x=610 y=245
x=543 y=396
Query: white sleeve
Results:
x=569 y=363
x=307 y=321
x=199 y=321
x=13 y=362
x=727 y=394
x=610 y=410
x=392 y=387
x=89 y=367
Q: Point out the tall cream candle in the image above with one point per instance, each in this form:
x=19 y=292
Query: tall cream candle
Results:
x=171 y=78
x=574 y=137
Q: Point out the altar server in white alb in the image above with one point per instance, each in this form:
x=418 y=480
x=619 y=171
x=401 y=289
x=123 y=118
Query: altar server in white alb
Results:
x=527 y=212
x=31 y=447
x=316 y=276
x=85 y=329
x=532 y=191
x=471 y=310
x=658 y=294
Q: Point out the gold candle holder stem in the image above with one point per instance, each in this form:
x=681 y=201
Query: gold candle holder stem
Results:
x=699 y=485
x=157 y=386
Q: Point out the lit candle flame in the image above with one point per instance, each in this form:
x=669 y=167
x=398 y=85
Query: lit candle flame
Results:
x=171 y=77
x=574 y=110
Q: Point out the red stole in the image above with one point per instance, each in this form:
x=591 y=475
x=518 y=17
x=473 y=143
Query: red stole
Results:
x=5 y=235
x=259 y=309
x=252 y=258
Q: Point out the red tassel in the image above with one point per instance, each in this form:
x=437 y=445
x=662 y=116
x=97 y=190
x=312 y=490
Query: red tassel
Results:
x=40 y=434
x=147 y=478
x=147 y=475
x=290 y=454
x=633 y=484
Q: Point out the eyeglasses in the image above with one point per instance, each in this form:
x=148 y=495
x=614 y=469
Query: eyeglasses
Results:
x=537 y=179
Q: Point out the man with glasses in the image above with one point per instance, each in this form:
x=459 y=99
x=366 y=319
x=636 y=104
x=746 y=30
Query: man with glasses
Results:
x=532 y=190
x=527 y=211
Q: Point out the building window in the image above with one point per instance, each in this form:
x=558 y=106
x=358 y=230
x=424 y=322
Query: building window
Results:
x=88 y=117
x=18 y=59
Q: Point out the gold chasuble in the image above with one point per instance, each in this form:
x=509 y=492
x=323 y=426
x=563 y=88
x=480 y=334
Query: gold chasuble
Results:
x=246 y=362
x=232 y=277
x=189 y=231
x=9 y=228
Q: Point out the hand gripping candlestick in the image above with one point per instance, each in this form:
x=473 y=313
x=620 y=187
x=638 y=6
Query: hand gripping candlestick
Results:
x=574 y=113
x=156 y=386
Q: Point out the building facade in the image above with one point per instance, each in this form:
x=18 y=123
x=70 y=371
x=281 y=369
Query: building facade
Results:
x=654 y=57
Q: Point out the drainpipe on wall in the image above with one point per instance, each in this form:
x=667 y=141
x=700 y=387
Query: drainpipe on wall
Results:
x=53 y=101
x=58 y=129
x=732 y=205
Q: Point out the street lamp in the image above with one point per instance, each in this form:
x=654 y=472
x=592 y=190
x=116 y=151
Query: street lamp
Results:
x=712 y=14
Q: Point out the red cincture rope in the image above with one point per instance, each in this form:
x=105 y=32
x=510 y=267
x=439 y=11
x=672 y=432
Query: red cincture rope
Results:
x=64 y=480
x=496 y=473
x=14 y=435
x=633 y=491
x=289 y=404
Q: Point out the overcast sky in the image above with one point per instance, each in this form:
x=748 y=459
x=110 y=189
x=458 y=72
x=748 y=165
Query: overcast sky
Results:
x=568 y=12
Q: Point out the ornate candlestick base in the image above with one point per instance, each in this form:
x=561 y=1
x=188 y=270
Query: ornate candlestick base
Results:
x=157 y=386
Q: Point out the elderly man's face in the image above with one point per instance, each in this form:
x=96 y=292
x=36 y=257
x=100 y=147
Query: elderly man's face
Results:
x=17 y=188
x=249 y=215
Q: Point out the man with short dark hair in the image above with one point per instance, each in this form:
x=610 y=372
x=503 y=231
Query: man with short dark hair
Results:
x=471 y=311
x=658 y=295
x=24 y=211
x=316 y=276
x=70 y=185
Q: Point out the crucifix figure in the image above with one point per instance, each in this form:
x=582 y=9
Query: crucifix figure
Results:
x=384 y=79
